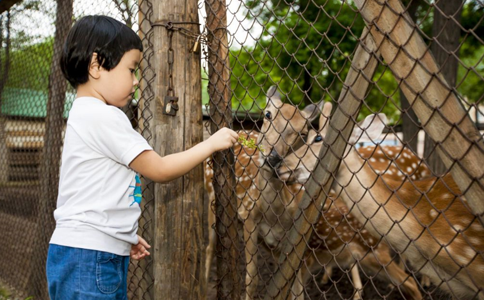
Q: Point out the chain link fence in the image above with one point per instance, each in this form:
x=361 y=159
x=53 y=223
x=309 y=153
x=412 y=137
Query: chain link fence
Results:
x=400 y=217
x=35 y=103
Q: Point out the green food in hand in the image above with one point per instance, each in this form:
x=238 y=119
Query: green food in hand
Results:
x=249 y=143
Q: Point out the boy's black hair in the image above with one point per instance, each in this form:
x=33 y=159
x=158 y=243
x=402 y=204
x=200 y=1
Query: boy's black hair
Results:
x=107 y=37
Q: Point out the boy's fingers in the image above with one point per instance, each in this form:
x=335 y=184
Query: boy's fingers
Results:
x=143 y=242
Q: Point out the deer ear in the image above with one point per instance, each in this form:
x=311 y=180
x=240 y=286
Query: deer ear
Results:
x=369 y=129
x=273 y=97
x=312 y=111
x=324 y=118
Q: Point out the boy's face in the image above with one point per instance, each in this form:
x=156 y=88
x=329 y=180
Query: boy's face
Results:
x=117 y=86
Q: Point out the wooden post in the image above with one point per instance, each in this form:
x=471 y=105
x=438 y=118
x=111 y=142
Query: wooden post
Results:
x=178 y=245
x=341 y=125
x=224 y=178
x=459 y=143
x=3 y=151
x=51 y=154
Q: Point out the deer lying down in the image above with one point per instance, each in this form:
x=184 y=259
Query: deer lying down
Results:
x=428 y=220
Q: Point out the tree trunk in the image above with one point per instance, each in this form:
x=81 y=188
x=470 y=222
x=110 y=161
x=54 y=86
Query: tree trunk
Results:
x=410 y=123
x=3 y=151
x=51 y=156
x=5 y=67
x=445 y=48
x=178 y=247
x=223 y=162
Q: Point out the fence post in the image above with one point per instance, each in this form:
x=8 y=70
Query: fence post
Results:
x=51 y=155
x=341 y=125
x=3 y=151
x=178 y=246
x=221 y=116
x=459 y=143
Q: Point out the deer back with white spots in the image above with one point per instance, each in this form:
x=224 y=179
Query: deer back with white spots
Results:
x=246 y=169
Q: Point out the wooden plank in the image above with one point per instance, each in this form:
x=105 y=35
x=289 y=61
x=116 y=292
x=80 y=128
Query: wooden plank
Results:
x=23 y=173
x=178 y=245
x=440 y=112
x=24 y=158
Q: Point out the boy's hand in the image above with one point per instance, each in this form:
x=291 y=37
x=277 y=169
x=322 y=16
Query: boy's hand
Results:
x=223 y=139
x=139 y=251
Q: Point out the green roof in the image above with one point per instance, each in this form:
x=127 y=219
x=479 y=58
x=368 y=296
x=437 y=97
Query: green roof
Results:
x=29 y=103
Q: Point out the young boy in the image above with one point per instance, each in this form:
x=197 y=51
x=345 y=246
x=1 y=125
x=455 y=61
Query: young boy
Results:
x=97 y=206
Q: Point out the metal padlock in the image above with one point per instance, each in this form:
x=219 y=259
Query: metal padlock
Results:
x=170 y=105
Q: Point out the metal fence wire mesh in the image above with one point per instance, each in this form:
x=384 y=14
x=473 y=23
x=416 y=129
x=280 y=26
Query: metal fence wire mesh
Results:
x=358 y=173
x=401 y=217
x=35 y=103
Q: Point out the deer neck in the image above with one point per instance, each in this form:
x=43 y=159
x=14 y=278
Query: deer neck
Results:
x=360 y=184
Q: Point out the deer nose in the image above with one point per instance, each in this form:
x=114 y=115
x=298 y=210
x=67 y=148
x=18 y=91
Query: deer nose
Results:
x=274 y=159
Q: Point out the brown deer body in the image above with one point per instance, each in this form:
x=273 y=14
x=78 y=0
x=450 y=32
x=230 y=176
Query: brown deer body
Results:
x=427 y=221
x=272 y=217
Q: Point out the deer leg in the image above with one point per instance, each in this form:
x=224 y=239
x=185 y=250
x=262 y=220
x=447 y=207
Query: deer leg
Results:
x=398 y=277
x=328 y=272
x=251 y=276
x=210 y=249
x=355 y=276
x=425 y=281
x=297 y=289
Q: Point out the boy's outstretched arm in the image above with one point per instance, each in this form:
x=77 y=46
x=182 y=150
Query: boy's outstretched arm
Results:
x=163 y=169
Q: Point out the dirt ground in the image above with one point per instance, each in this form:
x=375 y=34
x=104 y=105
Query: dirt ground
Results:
x=340 y=287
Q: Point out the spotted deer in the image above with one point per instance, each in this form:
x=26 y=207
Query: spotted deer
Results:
x=289 y=126
x=428 y=221
x=274 y=211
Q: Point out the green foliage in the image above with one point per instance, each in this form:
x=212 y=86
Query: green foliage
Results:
x=251 y=143
x=470 y=77
x=30 y=66
x=4 y=294
x=306 y=48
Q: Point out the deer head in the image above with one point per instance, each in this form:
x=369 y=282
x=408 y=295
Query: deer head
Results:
x=285 y=126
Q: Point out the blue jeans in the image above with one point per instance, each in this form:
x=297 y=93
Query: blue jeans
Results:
x=81 y=274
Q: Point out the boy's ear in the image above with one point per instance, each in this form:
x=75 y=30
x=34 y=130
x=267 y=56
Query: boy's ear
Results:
x=94 y=67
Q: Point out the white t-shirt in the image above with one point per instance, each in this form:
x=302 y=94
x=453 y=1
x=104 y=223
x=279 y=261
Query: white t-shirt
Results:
x=98 y=201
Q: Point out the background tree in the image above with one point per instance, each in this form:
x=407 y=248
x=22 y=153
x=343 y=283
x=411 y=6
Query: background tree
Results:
x=445 y=48
x=125 y=7
x=5 y=55
x=50 y=164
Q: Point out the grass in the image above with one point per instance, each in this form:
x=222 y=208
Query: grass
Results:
x=5 y=294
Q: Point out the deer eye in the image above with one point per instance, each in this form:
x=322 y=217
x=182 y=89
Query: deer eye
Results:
x=268 y=115
x=318 y=139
